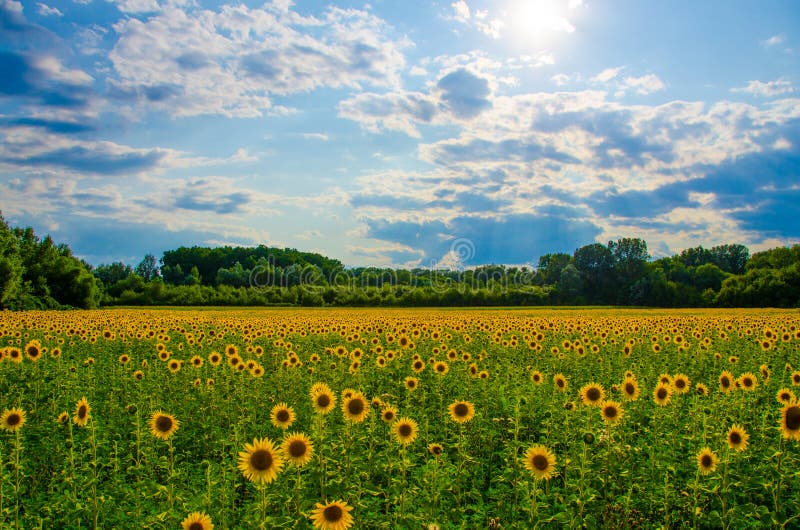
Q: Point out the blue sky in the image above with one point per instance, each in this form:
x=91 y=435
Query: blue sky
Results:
x=400 y=133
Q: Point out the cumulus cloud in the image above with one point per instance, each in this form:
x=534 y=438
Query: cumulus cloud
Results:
x=770 y=89
x=48 y=11
x=191 y=61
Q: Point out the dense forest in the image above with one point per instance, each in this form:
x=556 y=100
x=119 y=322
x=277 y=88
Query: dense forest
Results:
x=38 y=274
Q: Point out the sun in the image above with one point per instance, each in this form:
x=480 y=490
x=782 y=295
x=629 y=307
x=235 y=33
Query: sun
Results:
x=539 y=20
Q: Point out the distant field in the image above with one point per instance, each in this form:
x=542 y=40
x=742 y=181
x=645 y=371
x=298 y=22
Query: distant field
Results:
x=393 y=418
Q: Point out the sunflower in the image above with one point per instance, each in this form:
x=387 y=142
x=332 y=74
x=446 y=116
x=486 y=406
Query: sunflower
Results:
x=282 y=416
x=726 y=381
x=784 y=396
x=124 y=358
x=324 y=401
x=796 y=378
x=297 y=449
x=389 y=414
x=355 y=408
x=790 y=420
x=138 y=375
x=412 y=383
x=560 y=381
x=163 y=425
x=665 y=379
x=196 y=361
x=540 y=462
x=611 y=411
x=260 y=462
x=332 y=516
x=12 y=419
x=680 y=383
x=15 y=355
x=737 y=438
x=405 y=430
x=592 y=394
x=174 y=365
x=461 y=411
x=630 y=389
x=536 y=377
x=435 y=449
x=197 y=521
x=747 y=381
x=33 y=350
x=707 y=461
x=82 y=413
x=441 y=367
x=662 y=394
x=63 y=418
x=214 y=358
x=418 y=365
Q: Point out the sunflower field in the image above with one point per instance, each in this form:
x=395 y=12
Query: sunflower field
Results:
x=337 y=419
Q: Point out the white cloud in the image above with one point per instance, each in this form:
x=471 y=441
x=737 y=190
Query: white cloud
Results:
x=769 y=89
x=646 y=84
x=607 y=75
x=316 y=136
x=461 y=11
x=232 y=61
x=47 y=11
x=774 y=40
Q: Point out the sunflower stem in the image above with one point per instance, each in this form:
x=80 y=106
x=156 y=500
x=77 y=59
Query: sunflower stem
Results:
x=777 y=493
x=17 y=467
x=95 y=504
x=170 y=481
x=263 y=505
x=694 y=491
x=534 y=504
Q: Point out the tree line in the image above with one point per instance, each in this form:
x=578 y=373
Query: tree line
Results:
x=37 y=273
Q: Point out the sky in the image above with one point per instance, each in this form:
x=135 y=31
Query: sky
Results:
x=395 y=133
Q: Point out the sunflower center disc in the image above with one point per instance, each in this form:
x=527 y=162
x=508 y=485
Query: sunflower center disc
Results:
x=332 y=513
x=355 y=406
x=163 y=424
x=261 y=460
x=461 y=410
x=297 y=449
x=404 y=430
x=540 y=462
x=793 y=418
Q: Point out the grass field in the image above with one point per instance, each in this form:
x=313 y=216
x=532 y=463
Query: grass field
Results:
x=390 y=419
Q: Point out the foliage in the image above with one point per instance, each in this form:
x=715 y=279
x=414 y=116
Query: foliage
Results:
x=116 y=466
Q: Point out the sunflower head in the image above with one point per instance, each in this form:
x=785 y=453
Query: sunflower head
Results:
x=355 y=408
x=540 y=462
x=197 y=521
x=282 y=416
x=790 y=420
x=707 y=461
x=332 y=516
x=662 y=394
x=12 y=419
x=82 y=412
x=611 y=411
x=163 y=425
x=630 y=389
x=260 y=462
x=297 y=449
x=405 y=430
x=461 y=411
x=435 y=449
x=784 y=396
x=389 y=414
x=737 y=438
x=323 y=401
x=592 y=394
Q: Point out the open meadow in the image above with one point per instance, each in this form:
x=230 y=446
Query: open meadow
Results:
x=332 y=419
